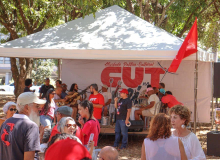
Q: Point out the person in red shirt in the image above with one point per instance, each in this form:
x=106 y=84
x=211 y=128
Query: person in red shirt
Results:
x=67 y=149
x=91 y=125
x=65 y=111
x=170 y=100
x=98 y=101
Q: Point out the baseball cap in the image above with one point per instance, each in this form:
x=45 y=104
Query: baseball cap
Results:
x=105 y=86
x=124 y=91
x=65 y=110
x=29 y=97
x=162 y=91
x=67 y=149
x=149 y=89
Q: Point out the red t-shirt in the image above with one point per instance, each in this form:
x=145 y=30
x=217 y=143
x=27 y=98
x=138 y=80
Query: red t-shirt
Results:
x=78 y=134
x=97 y=99
x=170 y=100
x=91 y=126
x=67 y=149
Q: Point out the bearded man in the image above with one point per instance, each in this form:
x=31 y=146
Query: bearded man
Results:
x=20 y=133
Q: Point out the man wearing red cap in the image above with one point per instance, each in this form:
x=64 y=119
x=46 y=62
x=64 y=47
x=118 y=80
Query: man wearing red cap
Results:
x=122 y=118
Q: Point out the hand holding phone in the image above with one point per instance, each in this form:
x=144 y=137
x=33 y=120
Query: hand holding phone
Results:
x=90 y=139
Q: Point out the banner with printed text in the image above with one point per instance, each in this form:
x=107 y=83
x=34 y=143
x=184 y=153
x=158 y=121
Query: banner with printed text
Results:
x=136 y=75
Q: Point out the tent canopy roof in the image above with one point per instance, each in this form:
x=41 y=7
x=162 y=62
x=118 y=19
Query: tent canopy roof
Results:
x=114 y=34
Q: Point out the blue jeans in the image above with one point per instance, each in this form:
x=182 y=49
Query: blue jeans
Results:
x=46 y=120
x=121 y=128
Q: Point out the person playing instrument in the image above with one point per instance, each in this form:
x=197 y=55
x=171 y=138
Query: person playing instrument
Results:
x=107 y=98
x=98 y=101
x=44 y=88
x=73 y=101
x=122 y=118
x=64 y=89
x=58 y=83
x=150 y=108
x=57 y=98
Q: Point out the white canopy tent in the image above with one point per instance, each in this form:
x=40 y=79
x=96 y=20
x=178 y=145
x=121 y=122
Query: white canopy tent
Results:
x=116 y=36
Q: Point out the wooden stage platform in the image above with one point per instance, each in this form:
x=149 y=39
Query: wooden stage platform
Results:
x=111 y=131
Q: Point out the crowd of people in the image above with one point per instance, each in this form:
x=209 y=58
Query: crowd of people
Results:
x=61 y=124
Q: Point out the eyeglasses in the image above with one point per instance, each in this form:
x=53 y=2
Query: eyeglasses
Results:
x=69 y=125
x=100 y=158
x=53 y=93
x=11 y=109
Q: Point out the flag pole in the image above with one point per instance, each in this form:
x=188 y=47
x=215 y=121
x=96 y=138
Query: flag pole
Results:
x=195 y=90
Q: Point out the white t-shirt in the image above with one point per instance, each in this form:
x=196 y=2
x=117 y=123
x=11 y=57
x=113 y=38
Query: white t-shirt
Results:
x=152 y=98
x=107 y=96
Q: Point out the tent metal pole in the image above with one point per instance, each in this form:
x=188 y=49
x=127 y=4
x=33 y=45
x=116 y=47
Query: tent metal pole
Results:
x=212 y=94
x=195 y=90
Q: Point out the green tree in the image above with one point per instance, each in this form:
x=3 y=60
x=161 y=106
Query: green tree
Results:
x=42 y=68
x=25 y=17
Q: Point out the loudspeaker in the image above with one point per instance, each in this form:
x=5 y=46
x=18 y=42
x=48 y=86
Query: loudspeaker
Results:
x=213 y=145
x=136 y=126
x=217 y=80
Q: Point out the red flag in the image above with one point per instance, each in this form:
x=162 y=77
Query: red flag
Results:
x=188 y=47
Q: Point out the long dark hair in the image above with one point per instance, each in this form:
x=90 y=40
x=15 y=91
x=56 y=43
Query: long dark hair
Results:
x=87 y=104
x=72 y=87
x=46 y=106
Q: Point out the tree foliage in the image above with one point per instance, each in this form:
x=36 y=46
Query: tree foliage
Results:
x=25 y=17
x=42 y=68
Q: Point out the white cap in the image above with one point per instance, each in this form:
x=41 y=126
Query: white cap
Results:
x=7 y=105
x=105 y=86
x=29 y=97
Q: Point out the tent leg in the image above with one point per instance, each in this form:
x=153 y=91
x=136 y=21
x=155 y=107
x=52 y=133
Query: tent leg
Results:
x=212 y=94
x=195 y=91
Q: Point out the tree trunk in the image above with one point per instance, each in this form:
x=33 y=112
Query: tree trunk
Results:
x=25 y=66
x=59 y=68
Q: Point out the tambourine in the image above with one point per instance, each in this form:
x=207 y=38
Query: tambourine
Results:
x=129 y=124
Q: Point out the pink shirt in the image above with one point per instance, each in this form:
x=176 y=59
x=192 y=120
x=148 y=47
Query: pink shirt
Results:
x=52 y=107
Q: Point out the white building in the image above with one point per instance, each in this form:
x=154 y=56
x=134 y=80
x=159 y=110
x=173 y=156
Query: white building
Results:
x=5 y=67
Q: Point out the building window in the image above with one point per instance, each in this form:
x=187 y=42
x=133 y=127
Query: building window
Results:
x=4 y=60
x=1 y=60
x=7 y=60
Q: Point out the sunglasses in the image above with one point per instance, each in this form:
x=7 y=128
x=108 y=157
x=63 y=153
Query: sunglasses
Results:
x=53 y=93
x=100 y=158
x=69 y=125
x=11 y=109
